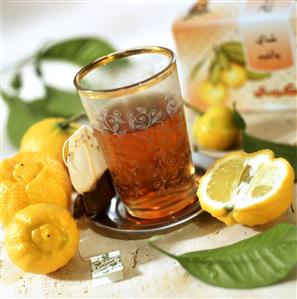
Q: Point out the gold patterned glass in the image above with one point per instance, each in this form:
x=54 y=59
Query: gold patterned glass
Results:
x=134 y=104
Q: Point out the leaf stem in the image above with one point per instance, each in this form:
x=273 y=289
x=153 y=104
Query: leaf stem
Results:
x=187 y=104
x=151 y=242
x=65 y=124
x=18 y=65
x=197 y=67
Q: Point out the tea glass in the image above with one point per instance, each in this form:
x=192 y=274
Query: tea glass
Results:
x=134 y=104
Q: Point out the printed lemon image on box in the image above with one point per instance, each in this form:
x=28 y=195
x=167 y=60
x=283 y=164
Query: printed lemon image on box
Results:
x=241 y=52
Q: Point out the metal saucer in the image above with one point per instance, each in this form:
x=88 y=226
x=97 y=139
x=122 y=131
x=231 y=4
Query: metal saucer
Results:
x=115 y=222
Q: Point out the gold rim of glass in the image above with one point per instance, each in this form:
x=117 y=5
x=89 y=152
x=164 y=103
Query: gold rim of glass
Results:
x=127 y=89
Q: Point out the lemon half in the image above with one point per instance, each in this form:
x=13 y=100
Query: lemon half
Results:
x=250 y=189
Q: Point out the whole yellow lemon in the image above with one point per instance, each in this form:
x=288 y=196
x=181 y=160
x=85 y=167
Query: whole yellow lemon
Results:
x=29 y=178
x=42 y=238
x=47 y=136
x=235 y=76
x=215 y=129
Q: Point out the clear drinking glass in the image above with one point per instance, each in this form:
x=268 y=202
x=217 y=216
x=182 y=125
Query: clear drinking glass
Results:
x=133 y=101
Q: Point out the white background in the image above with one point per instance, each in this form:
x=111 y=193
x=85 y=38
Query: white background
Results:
x=26 y=25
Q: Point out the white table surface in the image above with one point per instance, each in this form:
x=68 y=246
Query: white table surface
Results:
x=147 y=274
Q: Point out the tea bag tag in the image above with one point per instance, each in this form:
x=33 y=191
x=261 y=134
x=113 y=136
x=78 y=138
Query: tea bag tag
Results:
x=84 y=160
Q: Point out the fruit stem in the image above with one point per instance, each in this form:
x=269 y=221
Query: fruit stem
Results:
x=66 y=123
x=187 y=104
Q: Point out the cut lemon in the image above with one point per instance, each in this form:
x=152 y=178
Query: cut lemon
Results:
x=250 y=189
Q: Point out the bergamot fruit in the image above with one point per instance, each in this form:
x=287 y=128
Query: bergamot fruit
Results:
x=42 y=238
x=212 y=94
x=216 y=129
x=29 y=178
x=235 y=76
x=249 y=189
x=48 y=136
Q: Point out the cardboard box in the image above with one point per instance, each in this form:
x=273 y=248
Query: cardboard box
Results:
x=243 y=52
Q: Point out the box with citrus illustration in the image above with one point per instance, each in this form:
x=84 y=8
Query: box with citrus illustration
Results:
x=241 y=52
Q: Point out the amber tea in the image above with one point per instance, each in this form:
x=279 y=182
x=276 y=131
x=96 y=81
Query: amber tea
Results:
x=146 y=148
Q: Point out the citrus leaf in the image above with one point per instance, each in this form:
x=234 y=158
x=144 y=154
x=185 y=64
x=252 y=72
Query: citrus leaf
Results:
x=37 y=68
x=56 y=103
x=252 y=144
x=79 y=51
x=287 y=151
x=215 y=72
x=21 y=116
x=234 y=51
x=234 y=47
x=255 y=262
x=223 y=60
x=16 y=81
x=257 y=76
x=62 y=103
x=238 y=119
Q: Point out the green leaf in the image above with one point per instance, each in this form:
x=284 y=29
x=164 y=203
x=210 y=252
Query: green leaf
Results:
x=255 y=262
x=215 y=72
x=21 y=116
x=62 y=103
x=252 y=144
x=257 y=76
x=223 y=60
x=56 y=103
x=16 y=81
x=238 y=119
x=37 y=68
x=287 y=151
x=79 y=51
x=234 y=51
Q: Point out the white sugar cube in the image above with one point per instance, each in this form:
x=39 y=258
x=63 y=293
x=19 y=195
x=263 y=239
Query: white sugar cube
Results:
x=106 y=268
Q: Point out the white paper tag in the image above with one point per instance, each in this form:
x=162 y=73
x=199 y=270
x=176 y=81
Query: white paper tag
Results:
x=106 y=268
